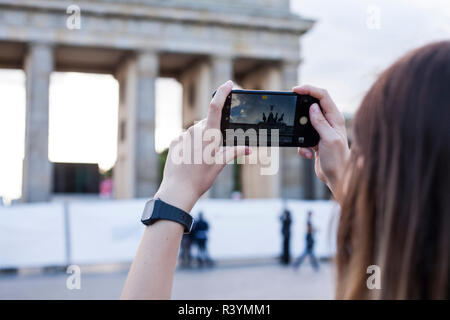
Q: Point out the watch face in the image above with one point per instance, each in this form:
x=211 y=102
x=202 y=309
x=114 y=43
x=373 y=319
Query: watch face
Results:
x=148 y=210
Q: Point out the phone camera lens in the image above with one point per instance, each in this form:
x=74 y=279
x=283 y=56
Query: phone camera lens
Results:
x=303 y=120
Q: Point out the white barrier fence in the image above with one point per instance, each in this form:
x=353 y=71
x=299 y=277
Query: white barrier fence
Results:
x=32 y=235
x=109 y=231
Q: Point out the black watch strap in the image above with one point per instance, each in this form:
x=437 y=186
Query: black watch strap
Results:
x=157 y=209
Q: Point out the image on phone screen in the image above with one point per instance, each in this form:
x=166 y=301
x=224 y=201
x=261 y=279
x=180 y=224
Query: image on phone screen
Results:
x=264 y=111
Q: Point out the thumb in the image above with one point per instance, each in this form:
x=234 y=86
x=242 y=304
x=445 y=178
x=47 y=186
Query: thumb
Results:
x=320 y=123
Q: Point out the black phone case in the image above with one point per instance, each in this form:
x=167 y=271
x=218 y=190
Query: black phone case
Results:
x=304 y=135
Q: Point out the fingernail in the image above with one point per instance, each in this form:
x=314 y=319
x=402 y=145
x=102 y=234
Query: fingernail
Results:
x=315 y=107
x=229 y=82
x=308 y=154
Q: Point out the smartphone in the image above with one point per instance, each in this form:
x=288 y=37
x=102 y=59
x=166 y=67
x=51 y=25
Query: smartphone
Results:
x=268 y=118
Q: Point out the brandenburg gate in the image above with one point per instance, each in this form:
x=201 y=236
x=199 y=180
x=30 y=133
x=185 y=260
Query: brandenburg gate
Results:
x=200 y=43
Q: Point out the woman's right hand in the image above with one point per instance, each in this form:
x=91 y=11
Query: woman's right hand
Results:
x=332 y=152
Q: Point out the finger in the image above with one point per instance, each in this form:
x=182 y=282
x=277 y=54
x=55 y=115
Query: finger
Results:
x=216 y=105
x=231 y=153
x=329 y=108
x=326 y=132
x=197 y=125
x=305 y=153
x=202 y=123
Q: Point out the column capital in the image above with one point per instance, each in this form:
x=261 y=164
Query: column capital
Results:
x=222 y=57
x=42 y=56
x=291 y=62
x=147 y=52
x=43 y=43
x=147 y=63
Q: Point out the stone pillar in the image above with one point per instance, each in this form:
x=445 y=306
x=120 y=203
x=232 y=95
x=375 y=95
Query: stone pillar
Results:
x=196 y=83
x=37 y=169
x=292 y=184
x=136 y=172
x=221 y=71
x=254 y=184
x=299 y=179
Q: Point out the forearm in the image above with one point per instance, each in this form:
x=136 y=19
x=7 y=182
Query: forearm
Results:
x=151 y=273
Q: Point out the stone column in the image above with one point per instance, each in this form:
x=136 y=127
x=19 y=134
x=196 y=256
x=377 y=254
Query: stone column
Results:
x=299 y=178
x=37 y=169
x=254 y=184
x=196 y=82
x=136 y=172
x=221 y=71
x=291 y=163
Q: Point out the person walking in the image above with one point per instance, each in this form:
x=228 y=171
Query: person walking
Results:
x=286 y=222
x=185 y=254
x=200 y=235
x=309 y=249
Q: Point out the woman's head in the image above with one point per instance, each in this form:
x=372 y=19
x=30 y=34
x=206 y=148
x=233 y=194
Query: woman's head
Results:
x=396 y=207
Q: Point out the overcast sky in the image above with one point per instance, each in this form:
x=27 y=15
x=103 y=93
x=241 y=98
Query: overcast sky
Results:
x=350 y=44
x=347 y=49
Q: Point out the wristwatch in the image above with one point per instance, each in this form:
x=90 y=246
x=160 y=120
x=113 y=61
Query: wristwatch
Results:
x=156 y=209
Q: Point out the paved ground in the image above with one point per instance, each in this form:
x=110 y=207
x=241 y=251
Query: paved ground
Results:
x=267 y=281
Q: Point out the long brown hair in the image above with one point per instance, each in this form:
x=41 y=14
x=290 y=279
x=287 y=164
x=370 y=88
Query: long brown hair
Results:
x=396 y=197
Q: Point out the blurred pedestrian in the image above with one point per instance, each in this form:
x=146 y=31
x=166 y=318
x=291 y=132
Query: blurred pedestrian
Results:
x=107 y=185
x=286 y=222
x=106 y=188
x=200 y=236
x=185 y=254
x=236 y=195
x=309 y=249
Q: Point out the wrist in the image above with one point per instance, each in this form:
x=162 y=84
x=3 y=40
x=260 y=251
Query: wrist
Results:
x=182 y=199
x=332 y=183
x=334 y=178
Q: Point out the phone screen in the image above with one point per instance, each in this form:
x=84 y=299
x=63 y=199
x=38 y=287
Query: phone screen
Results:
x=263 y=111
x=278 y=118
